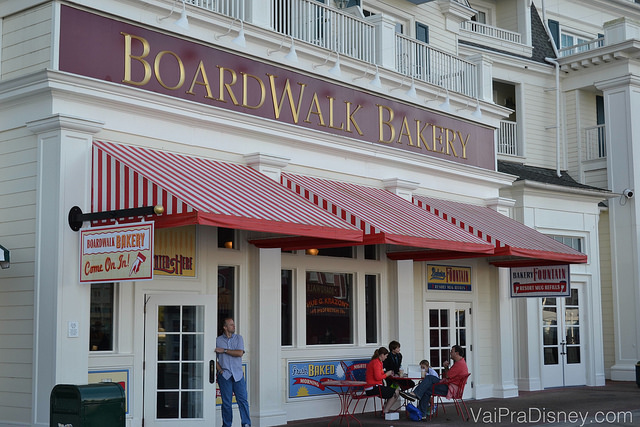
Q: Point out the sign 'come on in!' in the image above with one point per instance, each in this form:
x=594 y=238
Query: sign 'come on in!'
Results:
x=117 y=253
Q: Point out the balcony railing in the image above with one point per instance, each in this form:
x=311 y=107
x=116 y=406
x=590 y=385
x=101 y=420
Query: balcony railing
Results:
x=323 y=26
x=232 y=8
x=595 y=143
x=508 y=138
x=330 y=28
x=487 y=30
x=423 y=62
x=581 y=47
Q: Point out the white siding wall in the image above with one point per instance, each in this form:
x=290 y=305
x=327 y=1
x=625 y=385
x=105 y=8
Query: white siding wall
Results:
x=539 y=121
x=17 y=225
x=26 y=42
x=507 y=15
x=571 y=130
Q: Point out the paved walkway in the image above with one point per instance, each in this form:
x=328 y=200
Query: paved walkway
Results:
x=615 y=404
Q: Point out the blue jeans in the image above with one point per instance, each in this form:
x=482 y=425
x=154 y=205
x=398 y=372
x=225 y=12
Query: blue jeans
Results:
x=424 y=389
x=239 y=388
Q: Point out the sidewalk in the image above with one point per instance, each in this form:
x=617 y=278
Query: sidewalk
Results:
x=615 y=404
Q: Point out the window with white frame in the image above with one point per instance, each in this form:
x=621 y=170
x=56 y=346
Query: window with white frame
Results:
x=573 y=242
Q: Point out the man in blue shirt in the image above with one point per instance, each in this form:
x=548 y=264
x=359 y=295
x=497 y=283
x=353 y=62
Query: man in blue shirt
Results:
x=230 y=349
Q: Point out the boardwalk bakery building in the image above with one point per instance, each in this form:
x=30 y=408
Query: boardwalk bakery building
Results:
x=329 y=174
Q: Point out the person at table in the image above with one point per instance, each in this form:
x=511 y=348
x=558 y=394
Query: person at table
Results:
x=394 y=363
x=428 y=370
x=423 y=391
x=375 y=375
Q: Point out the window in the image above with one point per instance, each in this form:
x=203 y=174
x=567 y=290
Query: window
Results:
x=573 y=242
x=371 y=307
x=226 y=294
x=101 y=317
x=422 y=32
x=226 y=238
x=329 y=308
x=479 y=17
x=342 y=252
x=286 y=307
x=371 y=252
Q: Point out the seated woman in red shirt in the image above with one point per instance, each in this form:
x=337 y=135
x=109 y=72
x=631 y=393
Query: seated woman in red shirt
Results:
x=374 y=376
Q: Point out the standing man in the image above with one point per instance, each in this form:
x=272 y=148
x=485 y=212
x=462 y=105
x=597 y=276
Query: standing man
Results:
x=230 y=349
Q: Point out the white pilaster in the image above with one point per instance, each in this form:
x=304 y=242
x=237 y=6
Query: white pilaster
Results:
x=506 y=387
x=64 y=181
x=484 y=65
x=260 y=12
x=266 y=356
x=405 y=299
x=385 y=34
x=622 y=101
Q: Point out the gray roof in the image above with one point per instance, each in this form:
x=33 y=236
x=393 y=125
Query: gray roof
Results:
x=543 y=175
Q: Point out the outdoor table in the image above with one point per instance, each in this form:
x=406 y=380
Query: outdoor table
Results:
x=343 y=389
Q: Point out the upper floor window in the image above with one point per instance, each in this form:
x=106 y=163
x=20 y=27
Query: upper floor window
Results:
x=573 y=242
x=480 y=17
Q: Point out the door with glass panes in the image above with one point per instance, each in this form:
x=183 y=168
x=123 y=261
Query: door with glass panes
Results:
x=179 y=374
x=562 y=341
x=448 y=324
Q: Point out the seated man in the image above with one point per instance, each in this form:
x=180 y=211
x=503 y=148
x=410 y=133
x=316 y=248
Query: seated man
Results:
x=423 y=391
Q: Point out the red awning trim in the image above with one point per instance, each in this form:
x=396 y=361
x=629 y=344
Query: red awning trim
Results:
x=510 y=238
x=202 y=191
x=384 y=217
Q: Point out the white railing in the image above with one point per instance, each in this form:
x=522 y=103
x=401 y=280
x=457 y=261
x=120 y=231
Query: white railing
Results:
x=323 y=26
x=581 y=47
x=231 y=8
x=487 y=30
x=508 y=138
x=595 y=143
x=423 y=62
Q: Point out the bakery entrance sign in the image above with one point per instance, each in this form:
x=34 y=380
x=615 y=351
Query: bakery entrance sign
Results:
x=117 y=253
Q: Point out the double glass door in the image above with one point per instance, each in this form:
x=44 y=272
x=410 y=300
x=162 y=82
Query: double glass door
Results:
x=563 y=352
x=179 y=375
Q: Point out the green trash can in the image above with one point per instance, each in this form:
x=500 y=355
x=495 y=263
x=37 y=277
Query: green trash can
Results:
x=89 y=405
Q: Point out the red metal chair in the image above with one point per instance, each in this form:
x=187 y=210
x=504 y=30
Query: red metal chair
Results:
x=455 y=389
x=357 y=372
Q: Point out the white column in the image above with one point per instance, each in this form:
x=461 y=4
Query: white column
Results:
x=385 y=33
x=404 y=306
x=64 y=181
x=266 y=356
x=622 y=101
x=484 y=65
x=507 y=386
x=529 y=355
x=259 y=13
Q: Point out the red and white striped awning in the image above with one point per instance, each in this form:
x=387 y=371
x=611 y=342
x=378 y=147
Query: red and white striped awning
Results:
x=385 y=217
x=202 y=191
x=515 y=244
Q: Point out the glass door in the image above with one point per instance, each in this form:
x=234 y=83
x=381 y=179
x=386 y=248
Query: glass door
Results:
x=179 y=377
x=563 y=352
x=448 y=324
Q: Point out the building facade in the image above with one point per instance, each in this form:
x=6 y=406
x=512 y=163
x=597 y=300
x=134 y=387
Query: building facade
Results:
x=333 y=175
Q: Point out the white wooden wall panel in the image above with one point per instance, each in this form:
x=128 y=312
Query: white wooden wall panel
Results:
x=26 y=42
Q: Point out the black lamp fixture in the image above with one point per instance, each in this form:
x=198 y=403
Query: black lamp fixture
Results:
x=76 y=217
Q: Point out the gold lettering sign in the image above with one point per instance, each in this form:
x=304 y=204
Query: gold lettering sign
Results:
x=175 y=252
x=161 y=63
